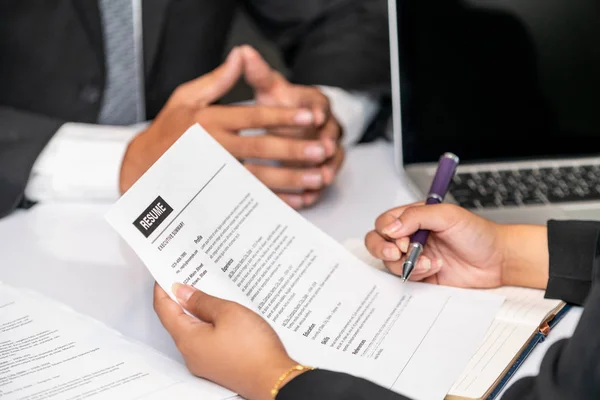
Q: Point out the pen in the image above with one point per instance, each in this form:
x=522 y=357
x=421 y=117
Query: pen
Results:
x=439 y=187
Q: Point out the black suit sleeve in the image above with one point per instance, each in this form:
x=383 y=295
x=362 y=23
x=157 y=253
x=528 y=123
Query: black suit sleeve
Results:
x=341 y=43
x=322 y=384
x=573 y=247
x=23 y=136
x=570 y=369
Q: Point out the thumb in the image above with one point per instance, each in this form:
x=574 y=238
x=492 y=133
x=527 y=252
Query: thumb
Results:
x=257 y=72
x=204 y=306
x=213 y=85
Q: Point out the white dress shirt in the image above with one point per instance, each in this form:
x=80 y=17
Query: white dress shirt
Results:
x=83 y=161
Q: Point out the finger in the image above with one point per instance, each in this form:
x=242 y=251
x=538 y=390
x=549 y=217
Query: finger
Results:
x=332 y=167
x=257 y=72
x=211 y=86
x=426 y=270
x=307 y=132
x=331 y=130
x=237 y=118
x=274 y=148
x=293 y=200
x=262 y=78
x=204 y=306
x=403 y=244
x=171 y=315
x=287 y=178
x=321 y=113
x=381 y=248
x=335 y=156
x=395 y=267
x=300 y=200
x=324 y=125
x=422 y=270
x=433 y=217
x=310 y=198
x=388 y=224
x=315 y=100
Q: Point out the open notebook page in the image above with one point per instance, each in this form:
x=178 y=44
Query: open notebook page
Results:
x=517 y=321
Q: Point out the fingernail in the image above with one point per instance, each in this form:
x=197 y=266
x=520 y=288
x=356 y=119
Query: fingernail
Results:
x=315 y=152
x=439 y=262
x=304 y=117
x=182 y=292
x=391 y=253
x=393 y=227
x=313 y=180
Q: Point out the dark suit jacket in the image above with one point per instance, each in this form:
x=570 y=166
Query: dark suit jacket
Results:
x=52 y=61
x=571 y=367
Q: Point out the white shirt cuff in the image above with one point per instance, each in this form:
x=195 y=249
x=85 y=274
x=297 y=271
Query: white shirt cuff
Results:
x=353 y=110
x=81 y=162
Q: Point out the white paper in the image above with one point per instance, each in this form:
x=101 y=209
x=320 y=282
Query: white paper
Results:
x=211 y=224
x=50 y=352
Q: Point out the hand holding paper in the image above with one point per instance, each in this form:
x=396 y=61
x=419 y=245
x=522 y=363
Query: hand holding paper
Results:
x=212 y=347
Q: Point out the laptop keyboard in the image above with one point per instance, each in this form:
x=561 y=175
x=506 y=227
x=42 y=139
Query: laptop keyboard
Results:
x=519 y=187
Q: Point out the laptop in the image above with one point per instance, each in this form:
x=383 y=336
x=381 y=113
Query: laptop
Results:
x=512 y=88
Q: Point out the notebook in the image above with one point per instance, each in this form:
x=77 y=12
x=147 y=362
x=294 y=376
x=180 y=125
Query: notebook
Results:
x=523 y=321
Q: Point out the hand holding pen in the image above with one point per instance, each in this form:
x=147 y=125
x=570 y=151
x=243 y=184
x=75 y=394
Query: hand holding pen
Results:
x=461 y=248
x=439 y=187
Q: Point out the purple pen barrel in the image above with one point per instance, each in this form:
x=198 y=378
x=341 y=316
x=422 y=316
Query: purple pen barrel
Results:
x=439 y=187
x=443 y=177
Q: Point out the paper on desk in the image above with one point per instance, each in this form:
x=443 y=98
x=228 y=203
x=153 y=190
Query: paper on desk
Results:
x=199 y=217
x=48 y=351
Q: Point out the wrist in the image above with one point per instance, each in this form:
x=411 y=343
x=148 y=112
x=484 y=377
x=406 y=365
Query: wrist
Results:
x=280 y=376
x=525 y=256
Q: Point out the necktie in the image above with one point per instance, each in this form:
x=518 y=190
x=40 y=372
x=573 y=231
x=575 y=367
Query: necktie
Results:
x=122 y=104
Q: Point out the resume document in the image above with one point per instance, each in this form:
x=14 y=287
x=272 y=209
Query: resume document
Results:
x=199 y=217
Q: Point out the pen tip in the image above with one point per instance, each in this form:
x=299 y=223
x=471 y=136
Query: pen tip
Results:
x=403 y=279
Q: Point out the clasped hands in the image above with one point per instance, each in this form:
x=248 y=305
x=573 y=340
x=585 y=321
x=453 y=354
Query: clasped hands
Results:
x=299 y=155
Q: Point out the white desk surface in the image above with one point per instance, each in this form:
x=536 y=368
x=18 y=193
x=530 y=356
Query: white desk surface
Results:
x=69 y=253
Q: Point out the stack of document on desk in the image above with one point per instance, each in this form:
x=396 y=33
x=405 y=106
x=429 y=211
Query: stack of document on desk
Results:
x=48 y=351
x=200 y=218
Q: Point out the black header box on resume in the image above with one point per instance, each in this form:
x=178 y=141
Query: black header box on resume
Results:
x=153 y=216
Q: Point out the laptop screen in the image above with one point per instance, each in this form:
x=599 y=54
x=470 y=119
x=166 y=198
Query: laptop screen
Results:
x=499 y=79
